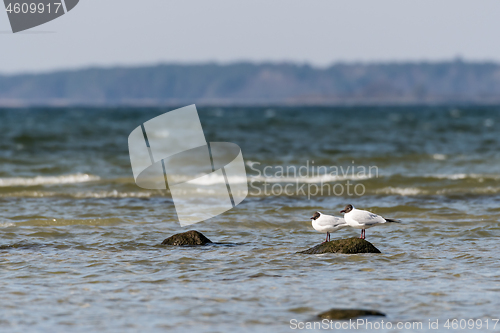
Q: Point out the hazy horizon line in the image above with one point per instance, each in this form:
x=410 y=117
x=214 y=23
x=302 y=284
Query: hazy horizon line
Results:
x=456 y=59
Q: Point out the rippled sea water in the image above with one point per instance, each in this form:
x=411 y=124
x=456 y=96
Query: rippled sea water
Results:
x=80 y=242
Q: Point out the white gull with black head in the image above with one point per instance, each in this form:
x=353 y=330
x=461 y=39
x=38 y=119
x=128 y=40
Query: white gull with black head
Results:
x=327 y=223
x=362 y=219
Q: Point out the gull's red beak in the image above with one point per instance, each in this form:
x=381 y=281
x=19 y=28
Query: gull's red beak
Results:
x=342 y=211
x=311 y=218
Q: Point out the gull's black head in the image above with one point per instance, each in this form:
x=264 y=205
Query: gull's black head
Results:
x=347 y=209
x=315 y=216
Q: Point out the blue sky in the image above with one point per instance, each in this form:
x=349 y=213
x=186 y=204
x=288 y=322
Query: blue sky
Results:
x=319 y=32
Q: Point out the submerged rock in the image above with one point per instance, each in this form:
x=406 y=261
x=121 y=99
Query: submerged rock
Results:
x=345 y=246
x=191 y=237
x=342 y=314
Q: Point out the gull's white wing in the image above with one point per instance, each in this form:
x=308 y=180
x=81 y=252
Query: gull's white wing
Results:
x=329 y=220
x=365 y=217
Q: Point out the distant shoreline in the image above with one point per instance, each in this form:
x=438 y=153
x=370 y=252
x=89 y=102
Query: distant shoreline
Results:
x=269 y=84
x=202 y=104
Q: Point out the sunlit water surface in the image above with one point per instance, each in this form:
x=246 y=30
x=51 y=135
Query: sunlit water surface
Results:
x=80 y=242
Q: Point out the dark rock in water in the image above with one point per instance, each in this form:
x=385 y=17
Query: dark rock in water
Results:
x=345 y=246
x=342 y=314
x=191 y=237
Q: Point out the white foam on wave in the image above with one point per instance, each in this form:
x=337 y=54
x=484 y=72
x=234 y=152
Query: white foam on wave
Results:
x=81 y=195
x=450 y=176
x=439 y=157
x=6 y=224
x=216 y=179
x=413 y=191
x=326 y=178
x=113 y=194
x=404 y=191
x=47 y=180
x=312 y=179
x=213 y=178
x=28 y=194
x=455 y=176
x=476 y=190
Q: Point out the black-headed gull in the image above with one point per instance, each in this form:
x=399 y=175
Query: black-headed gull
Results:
x=362 y=219
x=327 y=223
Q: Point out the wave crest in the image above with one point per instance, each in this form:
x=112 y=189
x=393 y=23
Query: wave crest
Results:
x=47 y=180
